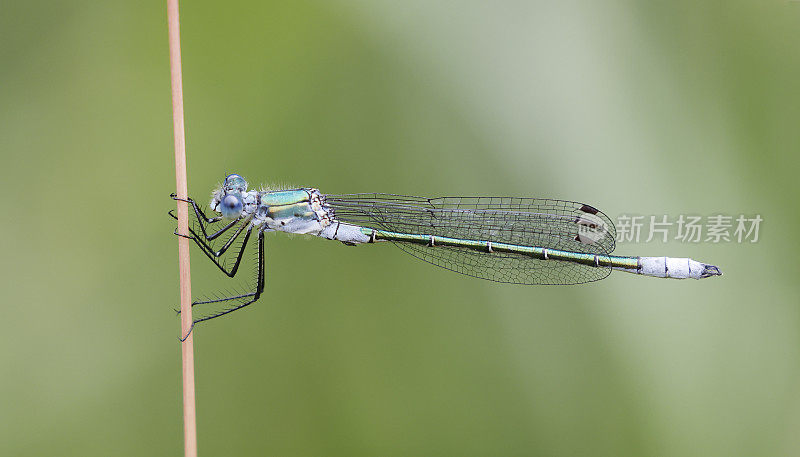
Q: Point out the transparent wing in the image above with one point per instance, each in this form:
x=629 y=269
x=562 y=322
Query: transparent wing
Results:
x=551 y=224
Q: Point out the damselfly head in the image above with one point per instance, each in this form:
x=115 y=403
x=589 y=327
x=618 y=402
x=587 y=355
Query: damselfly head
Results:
x=228 y=199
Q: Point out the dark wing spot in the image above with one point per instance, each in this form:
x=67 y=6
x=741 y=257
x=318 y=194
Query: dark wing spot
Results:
x=589 y=209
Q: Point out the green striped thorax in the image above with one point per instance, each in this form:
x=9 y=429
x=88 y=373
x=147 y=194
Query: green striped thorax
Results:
x=293 y=210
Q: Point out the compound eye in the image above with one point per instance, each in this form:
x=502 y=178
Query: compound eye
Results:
x=231 y=206
x=235 y=182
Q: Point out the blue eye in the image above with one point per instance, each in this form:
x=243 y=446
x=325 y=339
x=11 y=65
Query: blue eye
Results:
x=230 y=206
x=235 y=182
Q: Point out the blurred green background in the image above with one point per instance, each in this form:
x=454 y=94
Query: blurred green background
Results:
x=637 y=107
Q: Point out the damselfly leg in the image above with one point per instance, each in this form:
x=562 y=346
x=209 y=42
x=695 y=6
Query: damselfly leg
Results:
x=203 y=220
x=215 y=247
x=239 y=301
x=209 y=251
x=204 y=242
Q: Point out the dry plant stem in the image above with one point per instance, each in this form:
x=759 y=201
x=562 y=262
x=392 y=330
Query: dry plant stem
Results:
x=187 y=348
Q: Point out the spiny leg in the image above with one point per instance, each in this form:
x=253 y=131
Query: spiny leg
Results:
x=206 y=247
x=201 y=218
x=197 y=210
x=249 y=298
x=213 y=255
x=210 y=250
x=255 y=295
x=210 y=255
x=233 y=271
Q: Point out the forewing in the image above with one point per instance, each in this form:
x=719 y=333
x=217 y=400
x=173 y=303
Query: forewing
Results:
x=550 y=224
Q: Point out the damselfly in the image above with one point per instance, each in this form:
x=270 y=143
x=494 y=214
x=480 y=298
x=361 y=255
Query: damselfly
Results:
x=510 y=240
